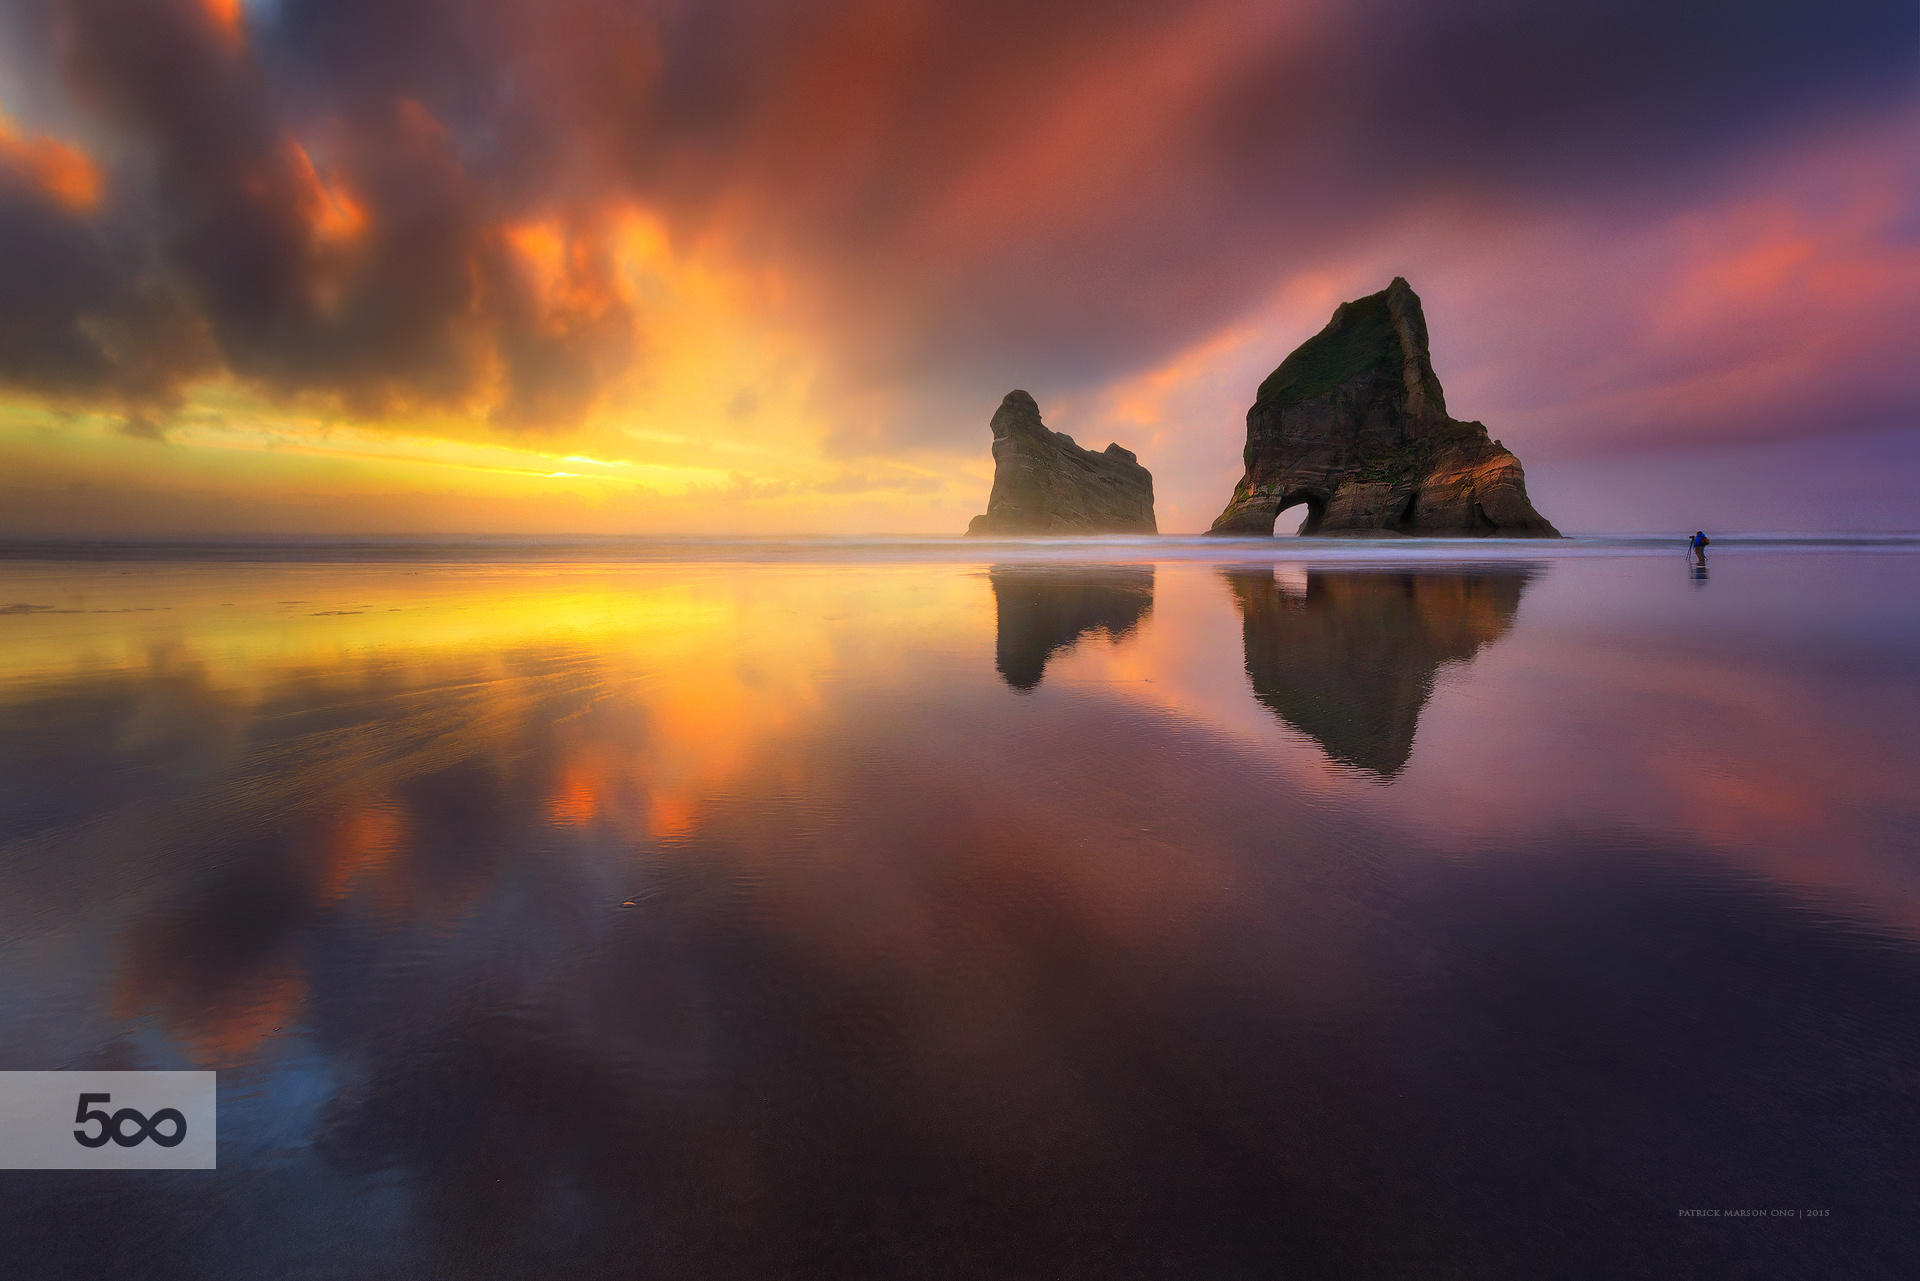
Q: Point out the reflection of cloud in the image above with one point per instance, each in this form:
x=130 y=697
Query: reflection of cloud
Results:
x=1043 y=611
x=358 y=843
x=408 y=815
x=1350 y=661
x=1051 y=994
x=221 y=968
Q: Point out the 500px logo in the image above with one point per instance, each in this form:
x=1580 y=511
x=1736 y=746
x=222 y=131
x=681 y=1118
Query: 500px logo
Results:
x=107 y=1121
x=114 y=1127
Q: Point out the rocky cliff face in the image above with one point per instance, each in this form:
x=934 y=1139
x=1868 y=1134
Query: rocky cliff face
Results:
x=1354 y=426
x=1043 y=483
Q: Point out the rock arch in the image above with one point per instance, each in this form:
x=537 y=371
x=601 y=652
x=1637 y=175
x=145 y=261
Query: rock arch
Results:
x=1354 y=424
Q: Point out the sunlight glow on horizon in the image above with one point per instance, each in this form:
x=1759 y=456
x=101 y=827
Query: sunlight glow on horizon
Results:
x=377 y=312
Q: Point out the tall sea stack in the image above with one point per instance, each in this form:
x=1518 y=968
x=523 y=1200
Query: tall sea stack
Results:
x=1043 y=483
x=1354 y=425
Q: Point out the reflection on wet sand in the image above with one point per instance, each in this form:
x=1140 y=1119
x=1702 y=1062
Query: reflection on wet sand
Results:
x=646 y=930
x=1044 y=610
x=1350 y=660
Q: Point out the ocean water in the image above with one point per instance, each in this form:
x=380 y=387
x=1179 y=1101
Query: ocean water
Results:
x=937 y=908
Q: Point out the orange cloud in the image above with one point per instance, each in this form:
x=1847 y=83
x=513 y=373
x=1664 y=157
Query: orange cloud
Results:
x=853 y=219
x=226 y=16
x=63 y=171
x=332 y=213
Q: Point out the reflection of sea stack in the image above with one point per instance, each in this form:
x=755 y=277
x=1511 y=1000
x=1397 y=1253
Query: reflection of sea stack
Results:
x=1350 y=662
x=1354 y=425
x=1043 y=611
x=1043 y=483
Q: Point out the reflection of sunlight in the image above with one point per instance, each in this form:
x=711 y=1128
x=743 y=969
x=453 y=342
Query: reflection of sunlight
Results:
x=405 y=747
x=252 y=625
x=654 y=693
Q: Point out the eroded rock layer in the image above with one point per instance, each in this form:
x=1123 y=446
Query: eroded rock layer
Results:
x=1354 y=426
x=1043 y=483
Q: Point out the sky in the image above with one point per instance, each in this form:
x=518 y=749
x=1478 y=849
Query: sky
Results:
x=747 y=267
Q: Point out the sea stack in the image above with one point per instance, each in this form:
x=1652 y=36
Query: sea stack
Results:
x=1043 y=483
x=1354 y=425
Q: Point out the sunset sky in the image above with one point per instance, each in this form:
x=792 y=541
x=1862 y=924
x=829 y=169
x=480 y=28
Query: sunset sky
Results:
x=599 y=266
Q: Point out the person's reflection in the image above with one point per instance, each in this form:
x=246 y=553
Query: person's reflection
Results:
x=1044 y=610
x=1698 y=572
x=1350 y=660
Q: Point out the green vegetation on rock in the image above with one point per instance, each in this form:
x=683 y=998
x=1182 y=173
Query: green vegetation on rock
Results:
x=1357 y=342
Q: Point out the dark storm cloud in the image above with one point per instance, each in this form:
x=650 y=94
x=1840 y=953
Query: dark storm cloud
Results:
x=968 y=192
x=79 y=319
x=1583 y=94
x=387 y=281
x=140 y=427
x=1332 y=135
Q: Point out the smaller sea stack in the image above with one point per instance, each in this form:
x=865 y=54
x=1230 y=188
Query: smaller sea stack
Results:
x=1043 y=483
